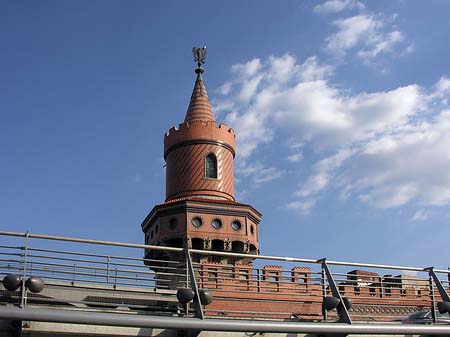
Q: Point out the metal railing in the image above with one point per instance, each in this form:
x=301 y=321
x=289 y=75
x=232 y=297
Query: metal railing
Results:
x=104 y=276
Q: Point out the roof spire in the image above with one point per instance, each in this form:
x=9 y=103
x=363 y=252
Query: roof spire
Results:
x=199 y=108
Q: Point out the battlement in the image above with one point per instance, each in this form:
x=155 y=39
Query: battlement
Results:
x=189 y=132
x=193 y=124
x=300 y=290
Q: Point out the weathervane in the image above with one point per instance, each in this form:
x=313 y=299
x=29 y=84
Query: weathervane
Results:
x=199 y=57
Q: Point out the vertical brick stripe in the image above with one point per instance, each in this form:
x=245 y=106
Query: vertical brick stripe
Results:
x=185 y=167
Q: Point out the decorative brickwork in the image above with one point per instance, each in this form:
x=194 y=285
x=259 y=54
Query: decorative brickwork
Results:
x=271 y=292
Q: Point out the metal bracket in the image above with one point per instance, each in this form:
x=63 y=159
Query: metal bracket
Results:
x=198 y=311
x=444 y=295
x=341 y=309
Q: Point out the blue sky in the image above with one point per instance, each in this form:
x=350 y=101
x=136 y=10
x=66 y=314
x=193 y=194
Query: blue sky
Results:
x=341 y=110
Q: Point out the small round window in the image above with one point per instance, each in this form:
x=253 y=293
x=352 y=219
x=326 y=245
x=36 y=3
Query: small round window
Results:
x=197 y=222
x=236 y=225
x=173 y=223
x=216 y=223
x=252 y=229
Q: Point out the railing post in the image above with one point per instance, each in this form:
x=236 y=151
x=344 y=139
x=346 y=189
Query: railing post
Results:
x=444 y=295
x=258 y=275
x=187 y=269
x=108 y=262
x=341 y=309
x=324 y=293
x=23 y=297
x=197 y=304
x=187 y=281
x=433 y=300
x=115 y=278
x=73 y=273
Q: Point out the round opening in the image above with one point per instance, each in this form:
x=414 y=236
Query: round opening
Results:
x=196 y=222
x=252 y=229
x=236 y=225
x=216 y=223
x=173 y=223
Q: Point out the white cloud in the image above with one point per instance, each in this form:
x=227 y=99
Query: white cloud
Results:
x=369 y=36
x=249 y=88
x=258 y=173
x=267 y=174
x=443 y=86
x=295 y=157
x=385 y=148
x=420 y=215
x=335 y=6
x=251 y=128
x=322 y=174
x=303 y=206
x=311 y=70
x=225 y=88
x=281 y=68
x=411 y=48
x=352 y=31
x=326 y=115
x=247 y=70
x=383 y=45
x=294 y=144
x=385 y=196
x=408 y=164
x=441 y=94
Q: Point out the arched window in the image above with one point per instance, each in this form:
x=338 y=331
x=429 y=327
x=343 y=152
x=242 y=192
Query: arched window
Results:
x=211 y=166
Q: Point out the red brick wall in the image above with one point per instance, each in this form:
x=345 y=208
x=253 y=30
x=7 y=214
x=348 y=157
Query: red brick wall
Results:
x=185 y=165
x=272 y=292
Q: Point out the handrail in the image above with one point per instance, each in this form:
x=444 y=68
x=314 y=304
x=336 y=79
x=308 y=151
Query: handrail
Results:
x=143 y=321
x=215 y=253
x=96 y=242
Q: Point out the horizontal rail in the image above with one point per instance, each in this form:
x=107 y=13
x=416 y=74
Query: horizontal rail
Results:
x=95 y=242
x=216 y=253
x=141 y=321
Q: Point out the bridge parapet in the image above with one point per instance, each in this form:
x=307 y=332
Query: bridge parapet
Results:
x=103 y=276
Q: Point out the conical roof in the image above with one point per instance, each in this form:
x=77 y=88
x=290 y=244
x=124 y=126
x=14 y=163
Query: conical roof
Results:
x=199 y=108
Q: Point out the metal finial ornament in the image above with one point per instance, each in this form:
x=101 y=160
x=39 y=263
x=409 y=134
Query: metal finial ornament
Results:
x=199 y=56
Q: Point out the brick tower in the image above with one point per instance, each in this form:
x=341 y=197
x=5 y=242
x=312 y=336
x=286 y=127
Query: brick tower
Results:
x=200 y=210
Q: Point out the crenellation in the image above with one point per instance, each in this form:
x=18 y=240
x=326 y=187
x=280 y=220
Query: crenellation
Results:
x=225 y=126
x=260 y=291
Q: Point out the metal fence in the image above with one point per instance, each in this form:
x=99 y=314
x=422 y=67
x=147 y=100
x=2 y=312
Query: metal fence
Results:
x=101 y=276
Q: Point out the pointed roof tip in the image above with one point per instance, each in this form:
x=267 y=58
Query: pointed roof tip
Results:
x=199 y=107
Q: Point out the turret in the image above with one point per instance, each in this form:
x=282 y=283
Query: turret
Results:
x=200 y=210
